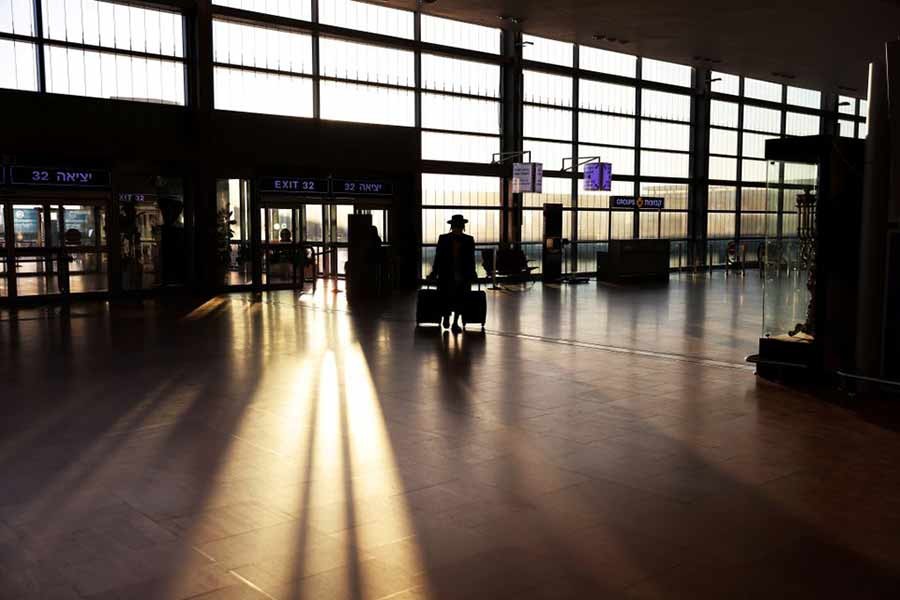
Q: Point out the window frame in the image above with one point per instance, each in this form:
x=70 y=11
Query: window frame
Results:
x=42 y=42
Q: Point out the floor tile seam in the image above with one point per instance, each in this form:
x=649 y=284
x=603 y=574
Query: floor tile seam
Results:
x=237 y=437
x=245 y=581
x=624 y=350
x=400 y=593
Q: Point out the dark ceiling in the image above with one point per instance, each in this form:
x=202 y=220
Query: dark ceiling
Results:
x=825 y=44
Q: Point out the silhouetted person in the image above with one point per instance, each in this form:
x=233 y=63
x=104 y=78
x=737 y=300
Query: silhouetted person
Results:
x=375 y=259
x=454 y=269
x=308 y=257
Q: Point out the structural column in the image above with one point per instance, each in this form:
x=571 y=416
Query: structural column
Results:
x=200 y=183
x=698 y=202
x=511 y=131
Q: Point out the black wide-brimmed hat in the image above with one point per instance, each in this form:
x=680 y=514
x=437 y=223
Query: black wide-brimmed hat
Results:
x=457 y=220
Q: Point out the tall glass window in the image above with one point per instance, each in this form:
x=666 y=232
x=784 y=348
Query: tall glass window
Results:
x=18 y=65
x=666 y=72
x=644 y=130
x=853 y=117
x=93 y=48
x=292 y=9
x=476 y=198
x=17 y=16
x=457 y=34
x=665 y=156
x=547 y=51
x=548 y=133
x=863 y=113
x=804 y=97
x=152 y=71
x=762 y=90
x=606 y=61
x=367 y=84
x=460 y=109
x=262 y=70
x=365 y=16
x=606 y=122
x=285 y=71
x=547 y=118
x=740 y=208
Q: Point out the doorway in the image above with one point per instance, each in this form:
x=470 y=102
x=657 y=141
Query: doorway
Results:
x=308 y=238
x=54 y=247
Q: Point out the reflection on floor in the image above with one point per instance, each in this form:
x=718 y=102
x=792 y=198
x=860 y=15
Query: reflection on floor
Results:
x=39 y=285
x=711 y=317
x=278 y=447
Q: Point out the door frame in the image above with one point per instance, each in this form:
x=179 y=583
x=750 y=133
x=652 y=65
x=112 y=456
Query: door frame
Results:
x=49 y=200
x=330 y=248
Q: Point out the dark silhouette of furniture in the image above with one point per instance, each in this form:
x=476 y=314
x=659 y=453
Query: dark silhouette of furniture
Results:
x=634 y=259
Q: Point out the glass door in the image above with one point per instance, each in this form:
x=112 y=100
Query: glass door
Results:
x=283 y=251
x=304 y=241
x=234 y=231
x=4 y=255
x=86 y=254
x=56 y=248
x=337 y=238
x=35 y=233
x=314 y=237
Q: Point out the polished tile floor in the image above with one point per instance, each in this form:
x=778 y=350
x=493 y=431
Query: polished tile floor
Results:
x=284 y=447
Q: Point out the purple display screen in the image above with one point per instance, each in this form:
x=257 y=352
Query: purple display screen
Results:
x=598 y=177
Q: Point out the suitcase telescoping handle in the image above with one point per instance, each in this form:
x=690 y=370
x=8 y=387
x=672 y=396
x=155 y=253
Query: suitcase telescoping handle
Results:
x=431 y=283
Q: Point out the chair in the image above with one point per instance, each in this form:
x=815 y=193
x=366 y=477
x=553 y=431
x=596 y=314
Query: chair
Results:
x=512 y=263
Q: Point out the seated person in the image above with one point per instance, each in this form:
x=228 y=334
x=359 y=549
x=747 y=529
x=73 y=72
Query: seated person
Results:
x=512 y=261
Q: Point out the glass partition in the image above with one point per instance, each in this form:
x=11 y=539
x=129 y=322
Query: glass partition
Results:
x=233 y=209
x=151 y=231
x=788 y=261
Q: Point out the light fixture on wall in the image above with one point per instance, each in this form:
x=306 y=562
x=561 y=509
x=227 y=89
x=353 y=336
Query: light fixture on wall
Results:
x=605 y=38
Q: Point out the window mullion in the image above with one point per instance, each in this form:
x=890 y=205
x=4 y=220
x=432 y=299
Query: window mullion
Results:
x=39 y=35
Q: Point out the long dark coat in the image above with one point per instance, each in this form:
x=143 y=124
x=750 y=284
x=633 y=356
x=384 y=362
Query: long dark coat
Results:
x=443 y=270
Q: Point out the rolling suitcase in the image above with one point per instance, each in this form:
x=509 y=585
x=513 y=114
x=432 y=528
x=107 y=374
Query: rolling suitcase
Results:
x=429 y=308
x=475 y=307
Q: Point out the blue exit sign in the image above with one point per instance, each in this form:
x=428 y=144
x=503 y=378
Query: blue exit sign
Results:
x=59 y=177
x=293 y=185
x=361 y=187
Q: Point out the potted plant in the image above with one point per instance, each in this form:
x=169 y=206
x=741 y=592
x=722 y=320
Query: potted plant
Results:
x=132 y=267
x=224 y=233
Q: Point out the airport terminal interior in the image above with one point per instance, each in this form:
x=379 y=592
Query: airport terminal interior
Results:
x=231 y=250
